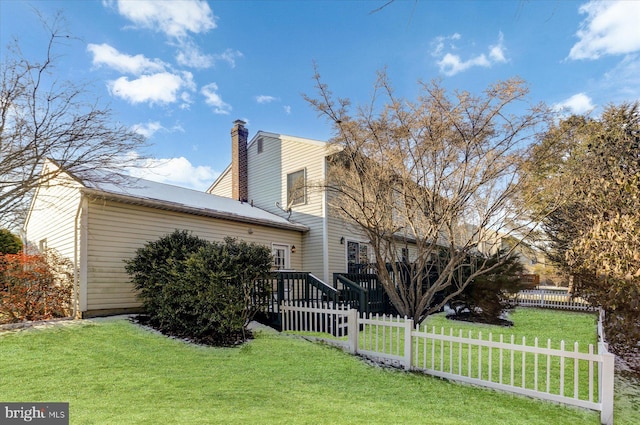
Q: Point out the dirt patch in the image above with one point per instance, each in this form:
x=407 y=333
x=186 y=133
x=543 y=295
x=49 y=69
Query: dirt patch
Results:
x=474 y=318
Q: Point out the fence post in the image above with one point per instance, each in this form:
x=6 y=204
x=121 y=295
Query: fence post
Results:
x=353 y=328
x=280 y=289
x=408 y=346
x=606 y=384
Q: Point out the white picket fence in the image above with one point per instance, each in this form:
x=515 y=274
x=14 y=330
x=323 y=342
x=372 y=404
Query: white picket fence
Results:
x=545 y=298
x=564 y=374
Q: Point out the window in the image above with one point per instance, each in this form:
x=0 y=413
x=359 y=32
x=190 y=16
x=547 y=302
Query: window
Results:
x=260 y=147
x=405 y=255
x=280 y=256
x=296 y=188
x=357 y=253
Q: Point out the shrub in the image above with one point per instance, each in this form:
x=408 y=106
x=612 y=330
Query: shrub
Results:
x=198 y=289
x=486 y=298
x=158 y=264
x=9 y=243
x=34 y=287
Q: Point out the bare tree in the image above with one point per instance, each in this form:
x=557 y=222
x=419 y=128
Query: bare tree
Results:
x=432 y=180
x=44 y=118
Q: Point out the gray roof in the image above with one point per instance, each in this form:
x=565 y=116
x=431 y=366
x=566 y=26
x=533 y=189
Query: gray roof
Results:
x=174 y=198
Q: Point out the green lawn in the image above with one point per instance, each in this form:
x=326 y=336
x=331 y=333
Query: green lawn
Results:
x=115 y=372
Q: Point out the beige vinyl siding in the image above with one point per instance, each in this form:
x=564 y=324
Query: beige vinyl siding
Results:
x=116 y=230
x=267 y=184
x=337 y=250
x=302 y=154
x=52 y=216
x=222 y=186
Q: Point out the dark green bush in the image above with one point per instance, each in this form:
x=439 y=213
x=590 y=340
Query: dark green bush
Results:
x=9 y=243
x=200 y=290
x=487 y=297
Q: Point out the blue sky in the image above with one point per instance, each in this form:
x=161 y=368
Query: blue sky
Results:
x=182 y=71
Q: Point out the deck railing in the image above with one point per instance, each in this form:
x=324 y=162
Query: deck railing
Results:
x=569 y=374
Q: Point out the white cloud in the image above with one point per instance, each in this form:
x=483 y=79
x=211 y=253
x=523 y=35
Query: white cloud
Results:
x=577 y=104
x=451 y=64
x=265 y=99
x=212 y=98
x=496 y=53
x=229 y=56
x=148 y=129
x=610 y=28
x=176 y=171
x=438 y=44
x=174 y=18
x=287 y=109
x=622 y=83
x=162 y=87
x=104 y=54
x=189 y=54
x=152 y=127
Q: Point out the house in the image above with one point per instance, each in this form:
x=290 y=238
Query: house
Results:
x=99 y=225
x=281 y=174
x=270 y=194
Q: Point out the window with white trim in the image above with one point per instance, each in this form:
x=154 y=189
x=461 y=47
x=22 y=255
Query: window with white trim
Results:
x=296 y=188
x=357 y=253
x=281 y=259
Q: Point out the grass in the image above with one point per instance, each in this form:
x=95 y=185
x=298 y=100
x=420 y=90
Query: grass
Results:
x=116 y=372
x=529 y=323
x=544 y=328
x=530 y=326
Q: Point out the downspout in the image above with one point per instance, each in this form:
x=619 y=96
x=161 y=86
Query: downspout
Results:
x=77 y=228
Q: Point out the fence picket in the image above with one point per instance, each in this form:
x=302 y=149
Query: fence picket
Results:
x=524 y=363
x=575 y=371
x=562 y=369
x=501 y=341
x=535 y=365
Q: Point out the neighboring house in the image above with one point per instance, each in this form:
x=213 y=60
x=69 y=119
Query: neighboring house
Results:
x=98 y=226
x=282 y=174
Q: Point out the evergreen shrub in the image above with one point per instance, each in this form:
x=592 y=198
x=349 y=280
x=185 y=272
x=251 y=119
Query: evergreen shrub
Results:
x=487 y=298
x=200 y=290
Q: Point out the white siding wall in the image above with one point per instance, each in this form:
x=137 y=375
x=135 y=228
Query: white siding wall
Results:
x=52 y=215
x=297 y=155
x=116 y=230
x=264 y=174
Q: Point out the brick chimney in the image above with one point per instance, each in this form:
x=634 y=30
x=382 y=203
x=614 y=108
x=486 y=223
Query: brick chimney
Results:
x=239 y=186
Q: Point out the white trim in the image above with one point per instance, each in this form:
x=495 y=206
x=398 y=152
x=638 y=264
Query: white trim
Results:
x=83 y=254
x=305 y=196
x=283 y=137
x=359 y=242
x=325 y=228
x=80 y=250
x=287 y=253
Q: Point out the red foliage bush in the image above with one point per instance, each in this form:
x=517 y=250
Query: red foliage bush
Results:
x=34 y=287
